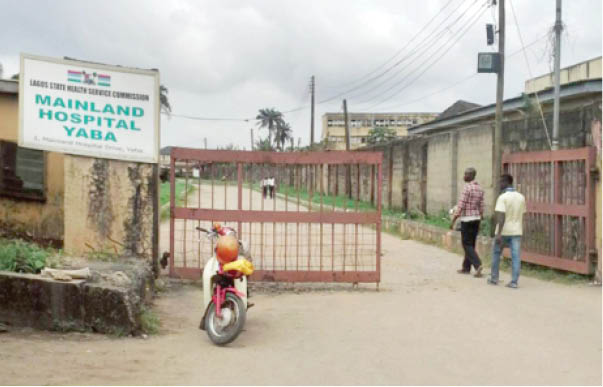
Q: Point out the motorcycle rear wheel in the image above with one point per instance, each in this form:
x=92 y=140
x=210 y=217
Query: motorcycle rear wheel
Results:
x=223 y=332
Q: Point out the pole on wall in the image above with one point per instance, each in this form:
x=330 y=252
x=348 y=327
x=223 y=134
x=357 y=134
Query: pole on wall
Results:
x=348 y=172
x=500 y=85
x=558 y=28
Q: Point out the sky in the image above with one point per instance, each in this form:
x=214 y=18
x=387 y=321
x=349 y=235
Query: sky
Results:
x=226 y=59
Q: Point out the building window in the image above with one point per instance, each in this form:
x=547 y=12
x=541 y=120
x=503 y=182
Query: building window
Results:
x=21 y=172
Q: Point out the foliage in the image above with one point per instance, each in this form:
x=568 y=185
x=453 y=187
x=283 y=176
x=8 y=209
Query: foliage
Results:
x=269 y=118
x=164 y=196
x=149 y=322
x=283 y=134
x=264 y=145
x=380 y=135
x=230 y=146
x=23 y=257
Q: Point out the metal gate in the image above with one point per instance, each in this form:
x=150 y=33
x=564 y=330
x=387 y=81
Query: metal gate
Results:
x=559 y=226
x=311 y=231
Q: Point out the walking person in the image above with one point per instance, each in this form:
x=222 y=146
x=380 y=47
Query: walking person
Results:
x=264 y=185
x=508 y=212
x=271 y=186
x=470 y=210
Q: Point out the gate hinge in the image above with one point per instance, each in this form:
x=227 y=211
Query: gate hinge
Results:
x=594 y=173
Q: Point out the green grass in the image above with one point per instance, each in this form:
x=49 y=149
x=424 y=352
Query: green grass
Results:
x=25 y=257
x=149 y=322
x=441 y=220
x=164 y=196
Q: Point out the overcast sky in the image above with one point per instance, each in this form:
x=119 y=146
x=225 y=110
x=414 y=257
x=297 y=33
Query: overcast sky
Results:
x=227 y=59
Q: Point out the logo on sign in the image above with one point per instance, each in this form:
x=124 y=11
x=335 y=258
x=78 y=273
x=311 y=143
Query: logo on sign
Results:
x=88 y=78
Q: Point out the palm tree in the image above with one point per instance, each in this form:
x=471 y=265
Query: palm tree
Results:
x=263 y=145
x=163 y=100
x=269 y=118
x=283 y=134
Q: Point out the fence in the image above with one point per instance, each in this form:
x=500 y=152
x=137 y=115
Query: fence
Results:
x=309 y=232
x=559 y=226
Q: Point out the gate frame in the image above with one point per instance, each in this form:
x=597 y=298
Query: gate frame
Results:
x=244 y=216
x=558 y=209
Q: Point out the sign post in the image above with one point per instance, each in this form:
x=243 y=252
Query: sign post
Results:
x=89 y=109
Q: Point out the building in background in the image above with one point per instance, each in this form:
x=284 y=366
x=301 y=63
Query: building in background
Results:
x=333 y=129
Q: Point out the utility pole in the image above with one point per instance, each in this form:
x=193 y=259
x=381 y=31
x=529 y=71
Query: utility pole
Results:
x=252 y=144
x=312 y=111
x=558 y=28
x=500 y=85
x=348 y=174
x=205 y=142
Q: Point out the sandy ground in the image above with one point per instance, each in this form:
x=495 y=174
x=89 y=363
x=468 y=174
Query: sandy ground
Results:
x=426 y=325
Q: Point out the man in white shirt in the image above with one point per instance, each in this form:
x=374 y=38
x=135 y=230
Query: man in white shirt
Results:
x=509 y=210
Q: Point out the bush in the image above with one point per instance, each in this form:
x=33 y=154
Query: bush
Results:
x=22 y=257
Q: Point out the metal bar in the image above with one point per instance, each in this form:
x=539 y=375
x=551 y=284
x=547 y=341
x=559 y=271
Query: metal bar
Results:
x=547 y=156
x=240 y=196
x=257 y=157
x=321 y=211
x=314 y=276
x=298 y=177
x=185 y=206
x=199 y=221
x=273 y=189
x=581 y=267
x=556 y=183
x=557 y=209
x=378 y=223
x=589 y=200
x=172 y=214
x=309 y=181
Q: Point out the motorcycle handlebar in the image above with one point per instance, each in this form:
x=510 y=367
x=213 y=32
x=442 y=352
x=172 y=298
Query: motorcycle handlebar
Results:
x=202 y=229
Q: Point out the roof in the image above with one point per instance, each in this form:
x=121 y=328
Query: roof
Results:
x=379 y=113
x=591 y=86
x=165 y=151
x=9 y=86
x=458 y=107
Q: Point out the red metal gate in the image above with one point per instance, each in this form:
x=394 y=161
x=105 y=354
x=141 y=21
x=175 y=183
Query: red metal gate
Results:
x=309 y=232
x=559 y=226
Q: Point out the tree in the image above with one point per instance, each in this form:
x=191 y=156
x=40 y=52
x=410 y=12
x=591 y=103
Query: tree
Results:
x=163 y=100
x=264 y=145
x=283 y=134
x=269 y=118
x=380 y=135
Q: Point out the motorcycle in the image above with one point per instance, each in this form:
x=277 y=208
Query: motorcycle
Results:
x=225 y=286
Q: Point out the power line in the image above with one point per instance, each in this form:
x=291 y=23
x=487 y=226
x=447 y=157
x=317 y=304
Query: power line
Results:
x=404 y=47
x=197 y=118
x=430 y=65
x=546 y=131
x=437 y=48
x=462 y=80
x=399 y=62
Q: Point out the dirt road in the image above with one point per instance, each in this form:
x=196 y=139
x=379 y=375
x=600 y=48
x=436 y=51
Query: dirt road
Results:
x=427 y=325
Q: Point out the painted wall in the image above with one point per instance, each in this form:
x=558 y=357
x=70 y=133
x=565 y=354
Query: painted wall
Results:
x=108 y=207
x=41 y=221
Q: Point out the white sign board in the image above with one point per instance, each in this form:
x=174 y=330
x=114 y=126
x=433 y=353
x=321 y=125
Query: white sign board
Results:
x=89 y=109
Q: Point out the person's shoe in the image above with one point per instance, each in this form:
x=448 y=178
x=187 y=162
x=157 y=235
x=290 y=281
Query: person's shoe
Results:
x=461 y=271
x=478 y=272
x=492 y=282
x=511 y=285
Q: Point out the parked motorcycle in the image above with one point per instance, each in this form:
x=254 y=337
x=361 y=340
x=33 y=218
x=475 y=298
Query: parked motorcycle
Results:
x=225 y=286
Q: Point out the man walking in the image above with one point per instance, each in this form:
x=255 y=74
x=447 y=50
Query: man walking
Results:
x=470 y=210
x=509 y=210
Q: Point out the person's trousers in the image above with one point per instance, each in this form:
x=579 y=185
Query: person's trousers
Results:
x=469 y=231
x=265 y=191
x=514 y=242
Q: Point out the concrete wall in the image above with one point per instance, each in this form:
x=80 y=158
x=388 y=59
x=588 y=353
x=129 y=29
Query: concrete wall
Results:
x=38 y=220
x=475 y=150
x=109 y=206
x=439 y=168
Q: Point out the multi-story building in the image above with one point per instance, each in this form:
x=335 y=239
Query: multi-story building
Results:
x=333 y=128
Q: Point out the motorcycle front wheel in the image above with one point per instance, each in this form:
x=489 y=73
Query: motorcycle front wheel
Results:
x=223 y=330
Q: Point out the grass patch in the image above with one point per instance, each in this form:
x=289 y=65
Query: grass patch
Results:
x=182 y=190
x=26 y=257
x=149 y=322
